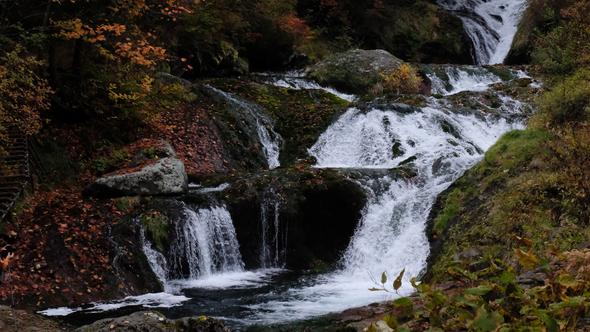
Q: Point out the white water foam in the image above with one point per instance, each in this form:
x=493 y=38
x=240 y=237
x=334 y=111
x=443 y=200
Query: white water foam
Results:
x=151 y=300
x=223 y=281
x=465 y=78
x=296 y=80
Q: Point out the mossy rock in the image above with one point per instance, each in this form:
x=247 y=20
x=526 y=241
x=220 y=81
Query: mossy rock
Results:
x=156 y=226
x=354 y=71
x=299 y=116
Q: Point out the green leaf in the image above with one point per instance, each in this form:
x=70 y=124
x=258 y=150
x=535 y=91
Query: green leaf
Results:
x=403 y=302
x=550 y=323
x=390 y=321
x=397 y=283
x=479 y=290
x=383 y=277
x=567 y=281
x=485 y=321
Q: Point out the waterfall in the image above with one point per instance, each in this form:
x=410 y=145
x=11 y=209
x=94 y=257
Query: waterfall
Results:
x=269 y=139
x=273 y=250
x=156 y=260
x=205 y=243
x=439 y=143
x=490 y=24
x=391 y=234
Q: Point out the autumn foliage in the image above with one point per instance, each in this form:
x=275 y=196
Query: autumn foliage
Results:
x=404 y=79
x=24 y=95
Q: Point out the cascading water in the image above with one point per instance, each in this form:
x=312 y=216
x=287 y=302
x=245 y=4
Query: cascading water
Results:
x=269 y=139
x=491 y=25
x=296 y=80
x=156 y=259
x=455 y=79
x=205 y=243
x=273 y=249
x=438 y=143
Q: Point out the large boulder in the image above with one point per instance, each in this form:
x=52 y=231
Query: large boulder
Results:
x=354 y=71
x=154 y=170
x=164 y=177
x=151 y=321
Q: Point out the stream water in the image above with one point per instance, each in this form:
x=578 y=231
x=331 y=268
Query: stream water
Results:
x=204 y=273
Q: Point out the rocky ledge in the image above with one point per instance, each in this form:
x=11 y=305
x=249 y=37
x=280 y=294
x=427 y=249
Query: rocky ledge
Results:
x=147 y=321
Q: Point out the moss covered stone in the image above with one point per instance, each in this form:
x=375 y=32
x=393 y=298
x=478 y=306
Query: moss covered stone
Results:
x=354 y=71
x=156 y=226
x=299 y=116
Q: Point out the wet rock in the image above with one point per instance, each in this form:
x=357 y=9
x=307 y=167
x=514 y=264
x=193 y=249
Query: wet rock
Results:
x=19 y=320
x=171 y=79
x=354 y=71
x=150 y=321
x=320 y=209
x=468 y=254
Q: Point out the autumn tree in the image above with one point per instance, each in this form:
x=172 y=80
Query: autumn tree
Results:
x=24 y=95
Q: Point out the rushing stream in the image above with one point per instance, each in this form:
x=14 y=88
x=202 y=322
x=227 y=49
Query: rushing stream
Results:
x=203 y=272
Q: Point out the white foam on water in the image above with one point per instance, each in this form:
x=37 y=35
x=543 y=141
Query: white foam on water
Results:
x=61 y=311
x=462 y=79
x=244 y=279
x=151 y=300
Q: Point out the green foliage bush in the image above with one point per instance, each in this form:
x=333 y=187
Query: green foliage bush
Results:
x=567 y=101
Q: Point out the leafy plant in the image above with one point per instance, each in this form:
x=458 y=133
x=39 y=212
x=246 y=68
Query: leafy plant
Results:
x=404 y=79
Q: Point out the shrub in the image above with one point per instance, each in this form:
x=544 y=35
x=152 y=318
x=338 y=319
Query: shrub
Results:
x=566 y=102
x=404 y=79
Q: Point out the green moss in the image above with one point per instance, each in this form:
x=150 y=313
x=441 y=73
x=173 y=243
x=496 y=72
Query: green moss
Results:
x=115 y=159
x=448 y=214
x=505 y=73
x=300 y=116
x=126 y=204
x=156 y=227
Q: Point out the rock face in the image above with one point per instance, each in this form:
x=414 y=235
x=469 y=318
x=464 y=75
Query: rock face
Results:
x=354 y=71
x=150 y=321
x=319 y=210
x=163 y=176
